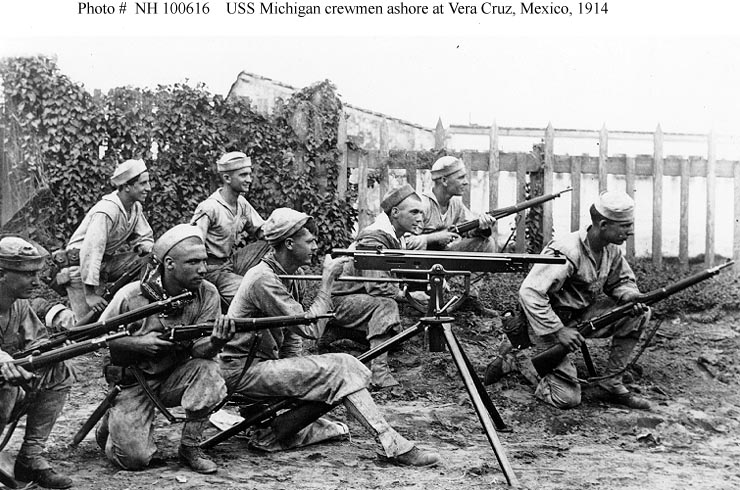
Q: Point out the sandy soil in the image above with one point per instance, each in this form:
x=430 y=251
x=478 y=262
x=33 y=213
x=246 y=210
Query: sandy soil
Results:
x=690 y=439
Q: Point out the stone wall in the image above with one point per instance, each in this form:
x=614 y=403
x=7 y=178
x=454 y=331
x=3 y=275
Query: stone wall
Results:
x=363 y=126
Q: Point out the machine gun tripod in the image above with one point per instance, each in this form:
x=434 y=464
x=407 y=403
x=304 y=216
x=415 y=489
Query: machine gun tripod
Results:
x=287 y=416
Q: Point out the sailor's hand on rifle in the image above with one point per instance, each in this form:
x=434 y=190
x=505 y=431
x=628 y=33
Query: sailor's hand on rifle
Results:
x=570 y=338
x=486 y=221
x=96 y=303
x=223 y=331
x=442 y=237
x=635 y=297
x=14 y=374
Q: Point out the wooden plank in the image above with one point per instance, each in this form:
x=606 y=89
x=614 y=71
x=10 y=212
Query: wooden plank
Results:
x=587 y=134
x=683 y=227
x=575 y=196
x=603 y=156
x=521 y=181
x=711 y=200
x=342 y=164
x=658 y=196
x=383 y=154
x=480 y=161
x=440 y=136
x=736 y=234
x=629 y=185
x=547 y=182
x=493 y=168
x=466 y=192
x=493 y=174
x=363 y=213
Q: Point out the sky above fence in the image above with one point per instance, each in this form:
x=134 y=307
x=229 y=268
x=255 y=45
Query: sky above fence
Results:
x=685 y=84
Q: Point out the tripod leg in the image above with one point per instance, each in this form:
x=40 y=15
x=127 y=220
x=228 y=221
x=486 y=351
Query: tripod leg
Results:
x=480 y=407
x=500 y=424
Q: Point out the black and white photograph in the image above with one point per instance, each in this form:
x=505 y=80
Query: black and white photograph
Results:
x=369 y=245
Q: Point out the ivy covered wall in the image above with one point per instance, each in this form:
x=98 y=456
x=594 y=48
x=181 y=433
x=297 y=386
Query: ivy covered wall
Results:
x=180 y=130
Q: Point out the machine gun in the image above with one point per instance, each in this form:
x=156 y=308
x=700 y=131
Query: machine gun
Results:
x=453 y=262
x=549 y=359
x=96 y=329
x=507 y=211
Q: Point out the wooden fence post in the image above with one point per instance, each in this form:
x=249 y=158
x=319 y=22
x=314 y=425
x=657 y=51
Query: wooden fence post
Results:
x=683 y=229
x=440 y=136
x=547 y=182
x=342 y=164
x=575 y=182
x=383 y=154
x=711 y=185
x=736 y=234
x=629 y=173
x=467 y=159
x=658 y=197
x=603 y=157
x=521 y=181
x=494 y=166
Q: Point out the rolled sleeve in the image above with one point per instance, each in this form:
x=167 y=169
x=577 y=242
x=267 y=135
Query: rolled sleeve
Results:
x=534 y=298
x=621 y=280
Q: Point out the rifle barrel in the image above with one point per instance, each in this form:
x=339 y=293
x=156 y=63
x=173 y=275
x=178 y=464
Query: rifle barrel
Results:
x=316 y=277
x=96 y=329
x=188 y=332
x=507 y=211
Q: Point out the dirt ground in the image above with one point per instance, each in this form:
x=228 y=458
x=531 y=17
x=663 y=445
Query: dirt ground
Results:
x=690 y=440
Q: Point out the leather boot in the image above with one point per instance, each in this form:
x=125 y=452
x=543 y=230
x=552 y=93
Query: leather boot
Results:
x=46 y=477
x=417 y=457
x=30 y=464
x=190 y=453
x=194 y=458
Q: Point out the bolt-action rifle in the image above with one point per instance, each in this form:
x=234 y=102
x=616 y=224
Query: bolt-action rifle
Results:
x=507 y=211
x=78 y=334
x=34 y=361
x=179 y=333
x=191 y=332
x=549 y=359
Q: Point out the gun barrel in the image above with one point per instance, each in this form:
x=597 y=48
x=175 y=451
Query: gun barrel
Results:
x=424 y=260
x=102 y=327
x=507 y=211
x=189 y=332
x=316 y=277
x=36 y=361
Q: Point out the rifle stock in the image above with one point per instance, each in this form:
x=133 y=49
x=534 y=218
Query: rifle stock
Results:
x=102 y=327
x=507 y=211
x=546 y=361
